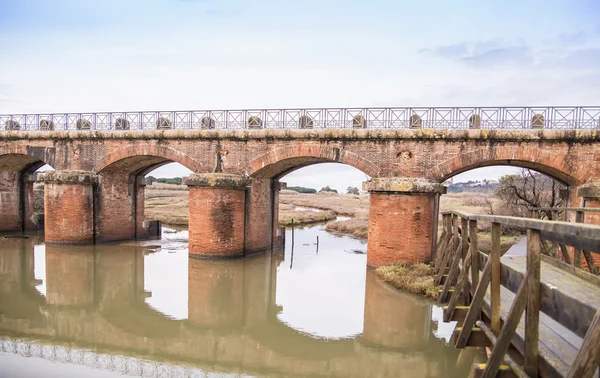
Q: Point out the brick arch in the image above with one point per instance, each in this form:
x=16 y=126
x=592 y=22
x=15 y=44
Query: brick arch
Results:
x=555 y=165
x=17 y=158
x=157 y=154
x=280 y=161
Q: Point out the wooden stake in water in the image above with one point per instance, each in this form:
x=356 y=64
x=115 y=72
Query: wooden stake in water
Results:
x=317 y=245
x=292 y=257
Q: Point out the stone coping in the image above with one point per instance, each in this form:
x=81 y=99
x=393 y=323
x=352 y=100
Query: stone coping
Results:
x=68 y=177
x=217 y=180
x=589 y=191
x=403 y=185
x=582 y=135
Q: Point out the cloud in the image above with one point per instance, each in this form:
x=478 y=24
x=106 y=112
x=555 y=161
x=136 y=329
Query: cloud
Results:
x=571 y=39
x=484 y=54
x=582 y=59
x=223 y=12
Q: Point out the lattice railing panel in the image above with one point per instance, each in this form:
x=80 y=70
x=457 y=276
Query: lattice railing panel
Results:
x=567 y=118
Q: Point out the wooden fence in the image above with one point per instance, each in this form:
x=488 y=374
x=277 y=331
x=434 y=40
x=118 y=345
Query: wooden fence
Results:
x=457 y=267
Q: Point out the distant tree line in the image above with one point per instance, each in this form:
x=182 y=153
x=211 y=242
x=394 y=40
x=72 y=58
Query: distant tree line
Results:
x=162 y=180
x=485 y=186
x=302 y=189
x=327 y=189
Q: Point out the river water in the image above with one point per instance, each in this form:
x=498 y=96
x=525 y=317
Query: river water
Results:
x=145 y=309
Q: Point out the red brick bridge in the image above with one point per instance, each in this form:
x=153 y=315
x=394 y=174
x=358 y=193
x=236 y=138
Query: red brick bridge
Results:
x=96 y=193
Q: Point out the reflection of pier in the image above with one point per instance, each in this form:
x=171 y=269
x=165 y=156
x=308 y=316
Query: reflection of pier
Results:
x=95 y=301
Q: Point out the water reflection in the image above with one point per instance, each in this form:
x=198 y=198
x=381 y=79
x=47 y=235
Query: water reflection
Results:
x=140 y=302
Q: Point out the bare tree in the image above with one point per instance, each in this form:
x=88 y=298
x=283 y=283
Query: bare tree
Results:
x=522 y=192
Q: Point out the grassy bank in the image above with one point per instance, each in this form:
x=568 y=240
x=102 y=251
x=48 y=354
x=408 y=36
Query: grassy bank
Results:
x=358 y=228
x=412 y=278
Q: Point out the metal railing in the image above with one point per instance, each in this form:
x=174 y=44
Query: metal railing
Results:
x=565 y=118
x=457 y=267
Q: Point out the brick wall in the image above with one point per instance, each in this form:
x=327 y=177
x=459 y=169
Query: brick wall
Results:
x=400 y=228
x=259 y=209
x=220 y=217
x=68 y=209
x=115 y=208
x=10 y=210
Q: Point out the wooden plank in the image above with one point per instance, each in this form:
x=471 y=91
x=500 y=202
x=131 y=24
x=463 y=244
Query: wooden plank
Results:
x=559 y=209
x=580 y=242
x=571 y=269
x=447 y=257
x=458 y=315
x=445 y=238
x=451 y=276
x=473 y=232
x=495 y=289
x=508 y=331
x=503 y=372
x=532 y=313
x=439 y=253
x=590 y=262
x=460 y=290
x=475 y=308
x=577 y=230
x=558 y=347
x=569 y=299
x=476 y=338
x=588 y=358
x=577 y=252
x=565 y=253
x=508 y=360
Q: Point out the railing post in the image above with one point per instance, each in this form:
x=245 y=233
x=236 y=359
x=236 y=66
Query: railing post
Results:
x=495 y=288
x=577 y=251
x=465 y=251
x=474 y=253
x=532 y=311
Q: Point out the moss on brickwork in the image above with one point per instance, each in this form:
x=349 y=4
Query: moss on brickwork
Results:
x=578 y=136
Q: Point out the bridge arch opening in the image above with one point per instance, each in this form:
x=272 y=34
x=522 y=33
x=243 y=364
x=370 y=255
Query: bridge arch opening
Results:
x=21 y=198
x=315 y=193
x=532 y=185
x=120 y=194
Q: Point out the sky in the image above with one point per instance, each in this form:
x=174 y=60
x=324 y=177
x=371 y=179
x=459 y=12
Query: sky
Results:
x=130 y=55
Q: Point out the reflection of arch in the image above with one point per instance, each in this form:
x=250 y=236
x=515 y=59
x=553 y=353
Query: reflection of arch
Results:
x=142 y=320
x=145 y=152
x=552 y=164
x=283 y=160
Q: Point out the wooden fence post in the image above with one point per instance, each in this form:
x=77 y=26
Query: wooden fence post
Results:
x=474 y=253
x=495 y=289
x=465 y=250
x=577 y=251
x=532 y=311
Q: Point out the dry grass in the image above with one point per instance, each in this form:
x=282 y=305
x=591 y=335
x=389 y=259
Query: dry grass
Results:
x=167 y=203
x=349 y=205
x=358 y=228
x=304 y=217
x=484 y=242
x=162 y=186
x=412 y=278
